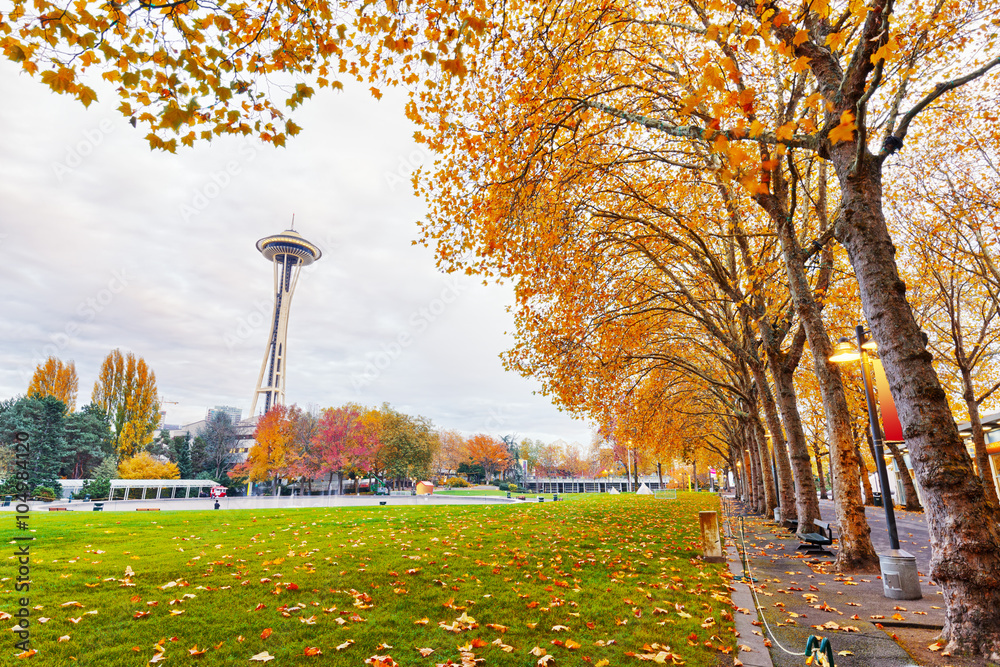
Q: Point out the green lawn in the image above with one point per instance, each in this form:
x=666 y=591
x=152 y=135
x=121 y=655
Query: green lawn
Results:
x=493 y=491
x=600 y=578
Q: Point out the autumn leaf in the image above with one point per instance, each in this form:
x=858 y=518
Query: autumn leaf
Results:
x=845 y=130
x=312 y=650
x=263 y=656
x=195 y=652
x=267 y=632
x=424 y=652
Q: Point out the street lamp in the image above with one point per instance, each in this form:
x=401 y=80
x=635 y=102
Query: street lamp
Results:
x=899 y=568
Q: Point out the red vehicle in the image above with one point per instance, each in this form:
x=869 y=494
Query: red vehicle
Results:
x=218 y=492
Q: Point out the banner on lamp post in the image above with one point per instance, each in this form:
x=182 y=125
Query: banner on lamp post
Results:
x=891 y=427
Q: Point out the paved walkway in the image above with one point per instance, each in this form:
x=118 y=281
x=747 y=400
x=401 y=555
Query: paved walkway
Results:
x=796 y=592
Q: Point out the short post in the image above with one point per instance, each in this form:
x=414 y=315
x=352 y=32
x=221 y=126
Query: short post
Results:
x=710 y=539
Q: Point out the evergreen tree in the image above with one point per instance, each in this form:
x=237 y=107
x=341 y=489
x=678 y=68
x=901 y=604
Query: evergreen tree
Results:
x=41 y=418
x=180 y=453
x=88 y=441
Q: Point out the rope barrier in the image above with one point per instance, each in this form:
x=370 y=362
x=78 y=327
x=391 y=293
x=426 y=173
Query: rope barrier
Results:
x=821 y=651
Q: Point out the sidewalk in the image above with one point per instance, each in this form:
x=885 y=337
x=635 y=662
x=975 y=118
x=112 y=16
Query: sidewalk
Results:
x=797 y=592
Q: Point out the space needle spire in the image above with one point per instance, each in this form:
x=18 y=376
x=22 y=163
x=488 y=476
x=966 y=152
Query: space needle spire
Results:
x=288 y=252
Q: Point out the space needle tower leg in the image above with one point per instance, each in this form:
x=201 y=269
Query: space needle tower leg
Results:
x=288 y=252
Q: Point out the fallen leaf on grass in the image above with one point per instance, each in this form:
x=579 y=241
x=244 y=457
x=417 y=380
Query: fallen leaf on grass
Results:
x=266 y=633
x=312 y=650
x=195 y=652
x=263 y=656
x=346 y=644
x=538 y=651
x=425 y=651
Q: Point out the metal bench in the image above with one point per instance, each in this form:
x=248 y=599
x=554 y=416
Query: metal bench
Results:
x=147 y=509
x=815 y=542
x=58 y=509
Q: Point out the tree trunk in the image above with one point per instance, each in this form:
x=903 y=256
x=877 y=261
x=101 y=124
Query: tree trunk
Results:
x=807 y=505
x=659 y=471
x=979 y=440
x=786 y=492
x=763 y=460
x=856 y=551
x=819 y=471
x=965 y=536
x=752 y=467
x=866 y=484
x=910 y=501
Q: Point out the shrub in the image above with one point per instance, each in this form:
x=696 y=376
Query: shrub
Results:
x=512 y=487
x=44 y=493
x=457 y=482
x=144 y=466
x=95 y=488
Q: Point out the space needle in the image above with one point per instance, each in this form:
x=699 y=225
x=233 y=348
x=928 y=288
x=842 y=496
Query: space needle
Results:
x=288 y=252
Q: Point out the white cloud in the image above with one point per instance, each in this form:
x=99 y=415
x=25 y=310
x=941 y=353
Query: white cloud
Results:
x=107 y=244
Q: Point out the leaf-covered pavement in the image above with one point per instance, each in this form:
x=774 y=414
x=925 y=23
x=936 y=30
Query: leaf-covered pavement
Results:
x=600 y=580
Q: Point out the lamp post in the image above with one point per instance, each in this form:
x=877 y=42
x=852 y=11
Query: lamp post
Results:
x=899 y=568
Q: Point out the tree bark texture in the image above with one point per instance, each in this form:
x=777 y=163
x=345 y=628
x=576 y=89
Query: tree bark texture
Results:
x=856 y=551
x=819 y=475
x=786 y=490
x=965 y=537
x=753 y=470
x=807 y=505
x=764 y=466
x=866 y=484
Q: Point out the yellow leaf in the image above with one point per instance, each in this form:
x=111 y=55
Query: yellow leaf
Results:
x=800 y=37
x=786 y=131
x=836 y=40
x=845 y=130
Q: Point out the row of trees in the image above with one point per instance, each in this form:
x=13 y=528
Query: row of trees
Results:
x=693 y=202
x=125 y=391
x=112 y=436
x=691 y=199
x=349 y=441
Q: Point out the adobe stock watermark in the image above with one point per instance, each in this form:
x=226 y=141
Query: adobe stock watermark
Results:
x=22 y=493
x=418 y=322
x=405 y=168
x=218 y=181
x=87 y=311
x=77 y=153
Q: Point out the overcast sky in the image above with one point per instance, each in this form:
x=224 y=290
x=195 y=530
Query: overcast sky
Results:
x=106 y=244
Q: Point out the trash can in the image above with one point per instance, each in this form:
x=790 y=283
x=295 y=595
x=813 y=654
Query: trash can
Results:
x=877 y=499
x=6 y=501
x=508 y=494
